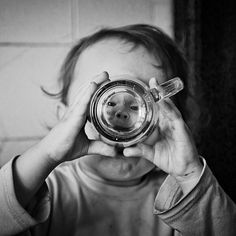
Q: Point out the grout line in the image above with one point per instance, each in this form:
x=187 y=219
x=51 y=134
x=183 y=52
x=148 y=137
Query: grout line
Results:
x=72 y=26
x=20 y=139
x=34 y=44
x=12 y=59
x=74 y=20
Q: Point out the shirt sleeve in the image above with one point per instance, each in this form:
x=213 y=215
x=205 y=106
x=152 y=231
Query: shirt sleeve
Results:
x=13 y=217
x=205 y=210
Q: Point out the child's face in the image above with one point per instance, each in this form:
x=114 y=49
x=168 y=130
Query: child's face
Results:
x=117 y=58
x=121 y=112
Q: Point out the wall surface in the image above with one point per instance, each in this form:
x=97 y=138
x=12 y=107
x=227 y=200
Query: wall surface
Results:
x=209 y=32
x=34 y=39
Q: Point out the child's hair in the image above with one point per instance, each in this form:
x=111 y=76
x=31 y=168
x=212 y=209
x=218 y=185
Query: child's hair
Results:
x=157 y=43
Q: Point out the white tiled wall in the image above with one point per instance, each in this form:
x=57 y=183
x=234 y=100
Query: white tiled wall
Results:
x=34 y=39
x=23 y=104
x=35 y=21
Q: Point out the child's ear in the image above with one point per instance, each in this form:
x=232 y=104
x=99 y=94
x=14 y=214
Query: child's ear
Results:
x=61 y=110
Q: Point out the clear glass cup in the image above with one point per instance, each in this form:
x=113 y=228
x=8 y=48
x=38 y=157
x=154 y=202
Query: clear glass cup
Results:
x=124 y=110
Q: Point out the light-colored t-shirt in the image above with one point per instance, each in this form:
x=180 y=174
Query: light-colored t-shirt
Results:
x=73 y=203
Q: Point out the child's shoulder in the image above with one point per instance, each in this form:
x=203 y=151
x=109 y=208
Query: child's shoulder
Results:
x=65 y=174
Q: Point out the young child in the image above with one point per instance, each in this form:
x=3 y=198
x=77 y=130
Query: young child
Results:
x=73 y=183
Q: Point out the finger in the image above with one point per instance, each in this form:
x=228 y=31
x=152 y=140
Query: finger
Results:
x=169 y=110
x=101 y=78
x=79 y=108
x=140 y=150
x=101 y=148
x=170 y=120
x=153 y=82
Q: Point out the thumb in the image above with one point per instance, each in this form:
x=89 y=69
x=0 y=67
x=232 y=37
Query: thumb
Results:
x=142 y=150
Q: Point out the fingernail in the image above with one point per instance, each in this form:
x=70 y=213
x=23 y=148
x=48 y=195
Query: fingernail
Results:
x=93 y=83
x=105 y=73
x=154 y=80
x=126 y=152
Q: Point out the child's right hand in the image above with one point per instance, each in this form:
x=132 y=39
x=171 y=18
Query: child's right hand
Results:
x=67 y=140
x=171 y=146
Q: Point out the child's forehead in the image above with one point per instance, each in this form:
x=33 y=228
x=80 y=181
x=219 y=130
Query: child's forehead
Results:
x=117 y=57
x=123 y=97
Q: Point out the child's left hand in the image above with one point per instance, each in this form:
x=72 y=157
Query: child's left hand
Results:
x=171 y=147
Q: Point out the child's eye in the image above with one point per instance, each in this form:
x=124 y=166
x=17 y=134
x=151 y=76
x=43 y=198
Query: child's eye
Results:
x=134 y=108
x=111 y=104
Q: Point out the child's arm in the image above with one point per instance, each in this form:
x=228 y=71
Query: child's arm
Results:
x=190 y=200
x=205 y=210
x=171 y=146
x=65 y=142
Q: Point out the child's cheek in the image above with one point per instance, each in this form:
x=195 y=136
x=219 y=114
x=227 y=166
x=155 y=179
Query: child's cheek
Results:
x=109 y=113
x=133 y=117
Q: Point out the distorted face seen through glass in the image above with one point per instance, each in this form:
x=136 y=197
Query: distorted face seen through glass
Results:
x=123 y=111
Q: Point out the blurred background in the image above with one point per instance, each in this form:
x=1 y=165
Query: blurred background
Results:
x=36 y=35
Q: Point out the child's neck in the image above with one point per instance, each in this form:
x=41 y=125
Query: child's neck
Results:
x=97 y=175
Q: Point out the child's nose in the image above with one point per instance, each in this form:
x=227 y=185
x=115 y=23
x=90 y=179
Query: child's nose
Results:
x=122 y=115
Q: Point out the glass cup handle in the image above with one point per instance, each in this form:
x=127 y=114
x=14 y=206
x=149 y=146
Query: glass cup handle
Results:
x=168 y=89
